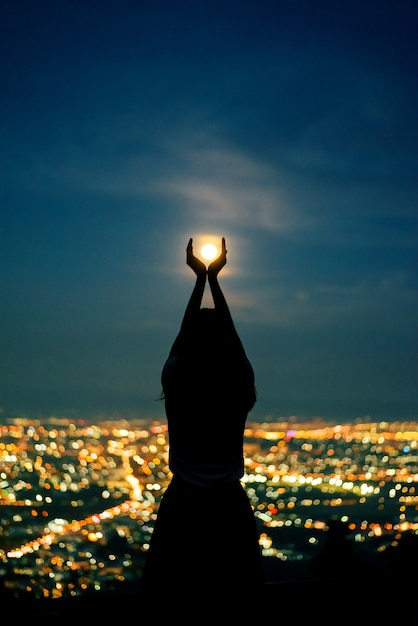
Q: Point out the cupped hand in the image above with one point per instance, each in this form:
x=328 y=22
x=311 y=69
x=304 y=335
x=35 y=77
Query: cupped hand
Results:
x=216 y=265
x=196 y=264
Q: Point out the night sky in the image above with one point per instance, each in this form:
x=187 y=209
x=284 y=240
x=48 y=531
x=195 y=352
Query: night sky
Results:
x=289 y=127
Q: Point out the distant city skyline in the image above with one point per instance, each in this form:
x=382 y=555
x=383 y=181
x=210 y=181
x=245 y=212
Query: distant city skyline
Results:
x=79 y=507
x=288 y=127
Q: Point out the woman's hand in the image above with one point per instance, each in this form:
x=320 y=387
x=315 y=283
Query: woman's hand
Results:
x=216 y=265
x=192 y=261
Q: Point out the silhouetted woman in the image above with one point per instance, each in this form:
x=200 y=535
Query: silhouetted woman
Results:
x=205 y=538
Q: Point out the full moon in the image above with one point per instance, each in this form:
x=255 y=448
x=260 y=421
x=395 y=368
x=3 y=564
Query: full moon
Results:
x=209 y=251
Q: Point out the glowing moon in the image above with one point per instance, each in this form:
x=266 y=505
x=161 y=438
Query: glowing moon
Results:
x=209 y=251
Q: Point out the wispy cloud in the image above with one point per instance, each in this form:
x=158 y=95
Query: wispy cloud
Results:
x=225 y=187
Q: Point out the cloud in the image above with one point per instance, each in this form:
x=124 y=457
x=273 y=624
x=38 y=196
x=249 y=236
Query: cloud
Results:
x=223 y=186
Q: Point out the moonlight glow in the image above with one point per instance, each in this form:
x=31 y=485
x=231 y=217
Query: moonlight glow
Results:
x=209 y=251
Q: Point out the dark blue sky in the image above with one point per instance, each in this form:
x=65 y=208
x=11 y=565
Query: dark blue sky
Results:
x=287 y=126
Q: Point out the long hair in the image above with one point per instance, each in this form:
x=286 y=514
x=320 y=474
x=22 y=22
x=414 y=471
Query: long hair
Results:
x=211 y=364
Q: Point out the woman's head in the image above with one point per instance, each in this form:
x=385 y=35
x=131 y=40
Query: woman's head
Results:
x=211 y=363
x=209 y=329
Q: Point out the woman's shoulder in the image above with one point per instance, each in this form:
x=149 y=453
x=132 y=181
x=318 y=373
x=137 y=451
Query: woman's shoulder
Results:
x=170 y=364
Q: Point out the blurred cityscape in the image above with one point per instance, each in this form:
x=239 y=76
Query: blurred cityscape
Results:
x=79 y=497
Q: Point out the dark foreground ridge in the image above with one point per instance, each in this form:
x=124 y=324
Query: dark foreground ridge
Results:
x=385 y=601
